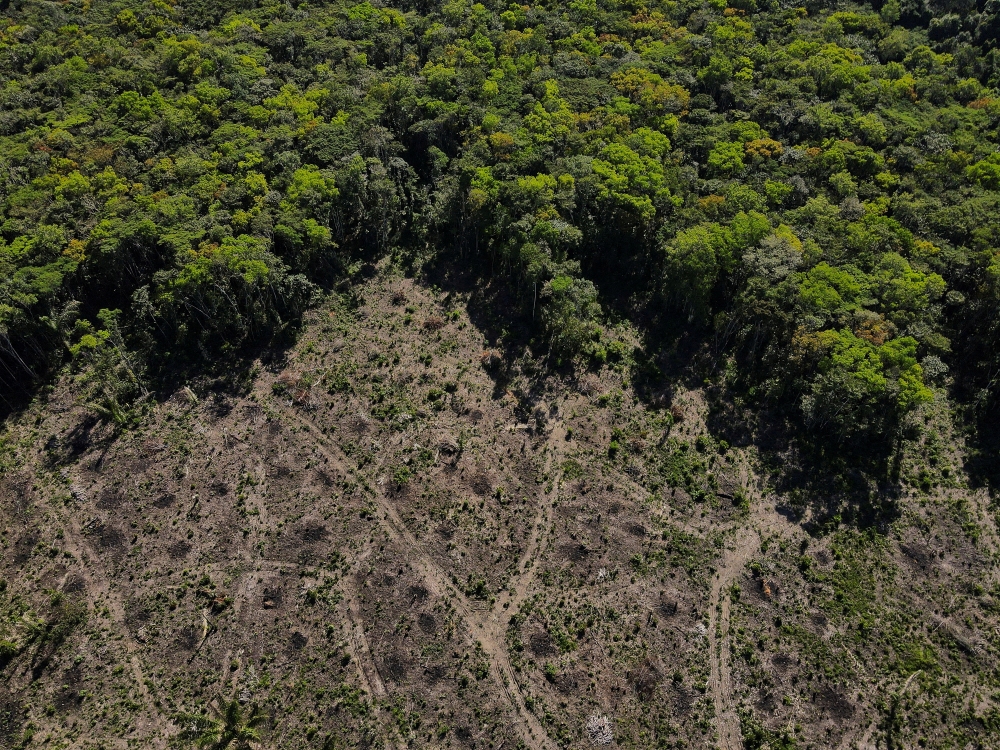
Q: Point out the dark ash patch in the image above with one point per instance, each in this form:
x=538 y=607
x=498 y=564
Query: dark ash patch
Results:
x=165 y=500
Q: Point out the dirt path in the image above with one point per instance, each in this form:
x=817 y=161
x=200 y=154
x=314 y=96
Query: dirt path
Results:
x=743 y=545
x=493 y=623
x=487 y=627
x=362 y=652
x=540 y=524
x=98 y=583
x=720 y=685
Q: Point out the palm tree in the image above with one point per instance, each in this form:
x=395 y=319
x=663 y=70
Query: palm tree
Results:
x=231 y=728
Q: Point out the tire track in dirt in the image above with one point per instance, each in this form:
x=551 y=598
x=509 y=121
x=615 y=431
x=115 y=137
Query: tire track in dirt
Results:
x=542 y=522
x=485 y=627
x=367 y=669
x=735 y=558
x=510 y=599
x=97 y=581
x=720 y=683
x=357 y=644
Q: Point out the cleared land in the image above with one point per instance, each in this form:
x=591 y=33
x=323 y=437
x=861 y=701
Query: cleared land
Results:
x=390 y=537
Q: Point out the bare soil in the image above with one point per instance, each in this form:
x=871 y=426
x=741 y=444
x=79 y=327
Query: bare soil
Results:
x=391 y=540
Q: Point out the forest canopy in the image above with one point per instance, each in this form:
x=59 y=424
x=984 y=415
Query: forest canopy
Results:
x=813 y=189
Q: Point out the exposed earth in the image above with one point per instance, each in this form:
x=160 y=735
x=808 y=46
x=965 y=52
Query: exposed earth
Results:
x=390 y=536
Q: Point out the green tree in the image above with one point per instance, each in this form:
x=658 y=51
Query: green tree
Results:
x=113 y=374
x=570 y=314
x=231 y=728
x=860 y=387
x=227 y=294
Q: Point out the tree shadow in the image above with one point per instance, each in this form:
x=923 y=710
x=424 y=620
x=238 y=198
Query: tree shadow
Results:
x=16 y=397
x=821 y=479
x=982 y=463
x=500 y=311
x=229 y=374
x=825 y=486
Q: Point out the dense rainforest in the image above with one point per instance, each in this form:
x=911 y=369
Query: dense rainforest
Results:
x=812 y=191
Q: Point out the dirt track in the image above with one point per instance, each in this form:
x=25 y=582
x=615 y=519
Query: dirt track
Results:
x=744 y=545
x=100 y=588
x=487 y=627
x=720 y=684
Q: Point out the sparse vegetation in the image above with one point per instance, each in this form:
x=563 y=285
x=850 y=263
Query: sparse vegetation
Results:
x=452 y=374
